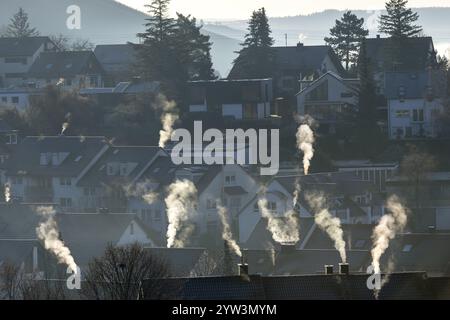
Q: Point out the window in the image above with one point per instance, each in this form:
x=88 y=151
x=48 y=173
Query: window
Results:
x=65 y=181
x=132 y=228
x=402 y=113
x=256 y=207
x=320 y=93
x=93 y=81
x=157 y=215
x=230 y=179
x=15 y=100
x=16 y=180
x=272 y=206
x=66 y=202
x=22 y=60
x=11 y=139
x=211 y=204
x=360 y=244
x=407 y=248
x=418 y=115
x=4 y=99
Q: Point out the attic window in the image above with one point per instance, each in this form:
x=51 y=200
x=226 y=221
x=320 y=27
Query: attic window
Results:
x=78 y=158
x=407 y=248
x=360 y=243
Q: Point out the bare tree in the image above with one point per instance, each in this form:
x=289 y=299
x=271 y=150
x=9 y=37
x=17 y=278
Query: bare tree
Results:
x=210 y=264
x=415 y=167
x=10 y=281
x=119 y=273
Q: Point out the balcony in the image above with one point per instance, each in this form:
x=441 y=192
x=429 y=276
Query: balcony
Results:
x=38 y=194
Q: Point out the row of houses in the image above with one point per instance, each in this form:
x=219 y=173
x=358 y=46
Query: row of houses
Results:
x=411 y=90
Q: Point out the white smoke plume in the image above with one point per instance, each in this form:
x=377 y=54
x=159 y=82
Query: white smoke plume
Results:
x=65 y=126
x=7 y=193
x=142 y=190
x=180 y=203
x=390 y=224
x=47 y=231
x=305 y=141
x=227 y=235
x=284 y=229
x=168 y=118
x=325 y=220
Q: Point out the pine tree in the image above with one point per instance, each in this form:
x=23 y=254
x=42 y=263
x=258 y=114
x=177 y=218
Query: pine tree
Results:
x=346 y=36
x=399 y=20
x=256 y=58
x=369 y=136
x=19 y=26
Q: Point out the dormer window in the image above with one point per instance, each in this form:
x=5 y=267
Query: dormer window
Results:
x=230 y=179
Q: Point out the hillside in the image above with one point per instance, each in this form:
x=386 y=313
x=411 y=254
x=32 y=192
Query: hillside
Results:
x=103 y=22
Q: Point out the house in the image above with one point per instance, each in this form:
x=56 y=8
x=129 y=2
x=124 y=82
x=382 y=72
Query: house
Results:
x=87 y=235
x=72 y=70
x=48 y=168
x=351 y=199
x=376 y=172
x=17 y=55
x=242 y=100
x=415 y=102
x=388 y=55
x=17 y=97
x=338 y=286
x=118 y=61
x=331 y=100
x=122 y=92
x=431 y=196
x=296 y=63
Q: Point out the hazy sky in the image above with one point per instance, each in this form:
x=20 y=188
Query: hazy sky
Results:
x=241 y=9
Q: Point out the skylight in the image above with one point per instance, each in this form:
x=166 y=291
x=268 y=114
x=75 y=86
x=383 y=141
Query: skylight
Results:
x=78 y=158
x=407 y=248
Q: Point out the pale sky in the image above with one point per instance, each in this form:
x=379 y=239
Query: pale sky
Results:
x=241 y=9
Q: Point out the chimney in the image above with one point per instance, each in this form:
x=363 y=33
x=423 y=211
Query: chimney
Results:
x=35 y=259
x=378 y=36
x=287 y=248
x=300 y=45
x=329 y=269
x=243 y=269
x=344 y=268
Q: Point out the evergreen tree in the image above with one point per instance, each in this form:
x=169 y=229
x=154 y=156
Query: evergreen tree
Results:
x=256 y=58
x=157 y=53
x=346 y=36
x=194 y=49
x=399 y=20
x=19 y=26
x=369 y=136
x=173 y=51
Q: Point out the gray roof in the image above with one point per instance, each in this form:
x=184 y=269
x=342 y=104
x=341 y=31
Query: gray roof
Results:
x=5 y=127
x=298 y=60
x=116 y=57
x=18 y=221
x=181 y=261
x=411 y=285
x=414 y=84
x=10 y=47
x=136 y=155
x=88 y=234
x=413 y=53
x=81 y=151
x=65 y=64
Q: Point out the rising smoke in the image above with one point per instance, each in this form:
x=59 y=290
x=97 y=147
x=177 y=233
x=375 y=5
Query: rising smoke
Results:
x=305 y=141
x=284 y=229
x=168 y=118
x=227 y=235
x=142 y=190
x=48 y=232
x=7 y=193
x=390 y=224
x=331 y=225
x=180 y=203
